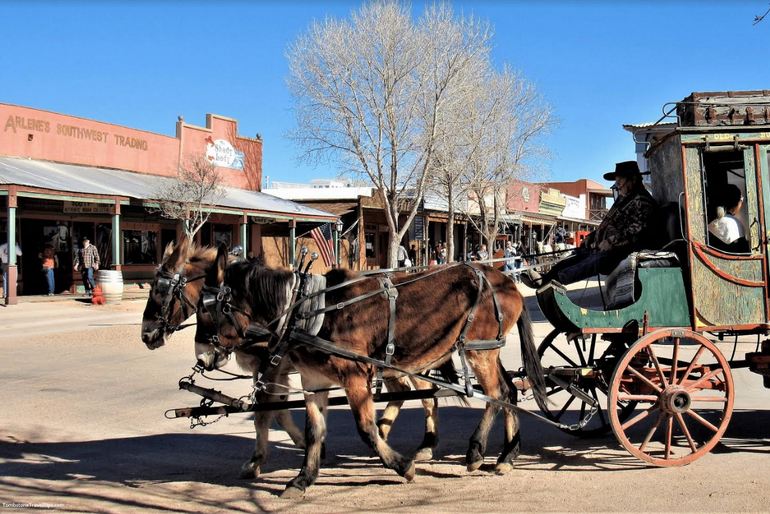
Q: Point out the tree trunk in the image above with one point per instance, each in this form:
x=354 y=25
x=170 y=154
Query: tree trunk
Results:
x=450 y=227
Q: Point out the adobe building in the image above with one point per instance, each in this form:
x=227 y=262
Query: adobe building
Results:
x=64 y=177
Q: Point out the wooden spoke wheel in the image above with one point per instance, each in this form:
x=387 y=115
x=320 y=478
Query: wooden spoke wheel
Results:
x=586 y=364
x=683 y=392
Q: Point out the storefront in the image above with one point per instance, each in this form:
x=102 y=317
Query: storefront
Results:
x=62 y=178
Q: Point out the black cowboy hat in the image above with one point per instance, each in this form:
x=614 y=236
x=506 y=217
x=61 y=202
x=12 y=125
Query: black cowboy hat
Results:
x=625 y=169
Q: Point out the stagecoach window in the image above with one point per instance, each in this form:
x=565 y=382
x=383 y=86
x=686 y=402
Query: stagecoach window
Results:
x=140 y=247
x=726 y=204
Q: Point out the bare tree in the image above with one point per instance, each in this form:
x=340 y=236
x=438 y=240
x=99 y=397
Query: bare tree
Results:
x=374 y=92
x=504 y=122
x=190 y=195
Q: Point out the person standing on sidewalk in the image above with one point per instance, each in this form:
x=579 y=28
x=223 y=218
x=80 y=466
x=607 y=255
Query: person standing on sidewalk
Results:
x=87 y=261
x=4 y=259
x=50 y=262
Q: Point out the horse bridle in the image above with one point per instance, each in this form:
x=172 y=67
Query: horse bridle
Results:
x=217 y=301
x=172 y=287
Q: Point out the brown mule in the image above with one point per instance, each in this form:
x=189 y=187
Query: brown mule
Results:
x=168 y=307
x=431 y=312
x=166 y=310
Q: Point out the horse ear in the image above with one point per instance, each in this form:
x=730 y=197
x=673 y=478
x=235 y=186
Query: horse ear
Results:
x=175 y=256
x=168 y=251
x=221 y=263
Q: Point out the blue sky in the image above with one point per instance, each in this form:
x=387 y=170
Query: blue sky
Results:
x=599 y=64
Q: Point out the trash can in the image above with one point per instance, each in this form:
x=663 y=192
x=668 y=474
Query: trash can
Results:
x=111 y=282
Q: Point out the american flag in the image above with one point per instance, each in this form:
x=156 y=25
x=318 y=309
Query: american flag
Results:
x=323 y=239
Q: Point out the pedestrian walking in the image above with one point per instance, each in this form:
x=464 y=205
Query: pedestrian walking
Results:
x=87 y=262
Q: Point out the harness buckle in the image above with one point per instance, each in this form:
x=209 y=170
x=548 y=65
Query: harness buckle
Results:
x=340 y=306
x=390 y=349
x=276 y=359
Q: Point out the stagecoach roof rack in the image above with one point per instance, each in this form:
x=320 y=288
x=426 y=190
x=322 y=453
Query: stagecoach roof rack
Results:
x=720 y=109
x=706 y=111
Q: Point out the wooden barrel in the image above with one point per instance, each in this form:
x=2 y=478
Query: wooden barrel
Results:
x=111 y=282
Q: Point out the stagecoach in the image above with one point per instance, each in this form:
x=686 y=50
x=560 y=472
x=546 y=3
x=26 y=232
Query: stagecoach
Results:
x=649 y=362
x=652 y=355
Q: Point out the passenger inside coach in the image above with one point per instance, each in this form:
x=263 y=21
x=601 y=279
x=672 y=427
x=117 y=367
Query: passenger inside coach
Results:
x=728 y=231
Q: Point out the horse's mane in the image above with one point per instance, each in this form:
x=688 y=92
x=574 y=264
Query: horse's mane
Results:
x=264 y=288
x=198 y=253
x=202 y=256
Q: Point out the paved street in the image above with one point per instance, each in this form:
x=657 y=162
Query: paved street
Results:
x=83 y=430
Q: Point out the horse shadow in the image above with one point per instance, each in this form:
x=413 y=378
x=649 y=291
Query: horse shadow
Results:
x=216 y=458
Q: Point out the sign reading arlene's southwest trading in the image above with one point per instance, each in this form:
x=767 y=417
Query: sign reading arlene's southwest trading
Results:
x=221 y=153
x=21 y=123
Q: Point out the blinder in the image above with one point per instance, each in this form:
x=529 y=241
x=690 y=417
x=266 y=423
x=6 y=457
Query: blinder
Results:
x=172 y=287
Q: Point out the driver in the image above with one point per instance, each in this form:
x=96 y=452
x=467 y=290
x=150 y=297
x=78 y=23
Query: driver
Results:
x=624 y=229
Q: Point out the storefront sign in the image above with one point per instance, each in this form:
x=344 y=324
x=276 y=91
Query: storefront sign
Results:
x=14 y=124
x=419 y=228
x=88 y=208
x=574 y=208
x=221 y=153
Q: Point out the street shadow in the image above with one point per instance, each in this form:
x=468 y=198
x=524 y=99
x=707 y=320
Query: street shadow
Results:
x=216 y=458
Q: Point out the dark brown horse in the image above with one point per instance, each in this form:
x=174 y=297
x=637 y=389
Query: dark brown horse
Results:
x=432 y=310
x=172 y=301
x=170 y=304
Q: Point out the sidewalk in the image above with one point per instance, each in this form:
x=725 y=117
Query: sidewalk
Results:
x=130 y=292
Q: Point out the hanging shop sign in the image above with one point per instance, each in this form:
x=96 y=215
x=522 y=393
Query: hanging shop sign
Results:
x=88 y=208
x=222 y=154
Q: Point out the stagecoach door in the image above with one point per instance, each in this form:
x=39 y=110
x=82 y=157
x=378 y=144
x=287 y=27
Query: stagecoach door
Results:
x=727 y=279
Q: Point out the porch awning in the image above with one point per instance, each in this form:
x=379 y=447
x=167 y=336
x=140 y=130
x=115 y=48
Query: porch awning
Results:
x=577 y=220
x=58 y=179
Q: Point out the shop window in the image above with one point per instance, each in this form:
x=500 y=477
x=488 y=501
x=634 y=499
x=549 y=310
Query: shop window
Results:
x=222 y=234
x=140 y=247
x=370 y=242
x=103 y=242
x=727 y=210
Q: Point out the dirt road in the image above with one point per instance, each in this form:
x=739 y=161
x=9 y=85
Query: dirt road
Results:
x=82 y=430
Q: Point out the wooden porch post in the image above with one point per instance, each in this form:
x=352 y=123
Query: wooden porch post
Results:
x=292 y=243
x=245 y=235
x=12 y=267
x=117 y=260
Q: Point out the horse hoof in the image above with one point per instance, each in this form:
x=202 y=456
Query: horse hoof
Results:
x=473 y=466
x=410 y=472
x=292 y=493
x=249 y=470
x=503 y=468
x=423 y=454
x=474 y=458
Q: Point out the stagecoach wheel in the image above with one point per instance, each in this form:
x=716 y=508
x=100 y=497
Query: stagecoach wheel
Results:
x=595 y=359
x=683 y=389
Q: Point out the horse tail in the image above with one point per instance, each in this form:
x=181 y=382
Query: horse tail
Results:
x=449 y=373
x=529 y=356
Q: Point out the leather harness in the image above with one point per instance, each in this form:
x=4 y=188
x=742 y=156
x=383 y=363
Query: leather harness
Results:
x=218 y=302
